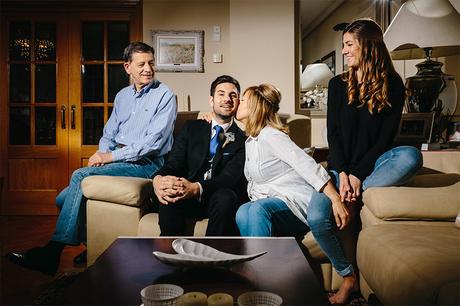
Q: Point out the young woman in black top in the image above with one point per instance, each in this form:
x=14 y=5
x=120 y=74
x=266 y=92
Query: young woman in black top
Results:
x=364 y=109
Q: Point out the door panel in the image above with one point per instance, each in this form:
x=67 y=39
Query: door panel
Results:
x=37 y=158
x=63 y=70
x=97 y=71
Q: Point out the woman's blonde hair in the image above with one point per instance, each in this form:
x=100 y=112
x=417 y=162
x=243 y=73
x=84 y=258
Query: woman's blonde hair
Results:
x=375 y=64
x=263 y=105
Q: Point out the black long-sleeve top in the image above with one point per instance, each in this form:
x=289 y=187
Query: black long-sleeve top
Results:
x=356 y=137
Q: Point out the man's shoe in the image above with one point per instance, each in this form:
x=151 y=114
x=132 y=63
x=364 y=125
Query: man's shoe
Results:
x=35 y=259
x=80 y=258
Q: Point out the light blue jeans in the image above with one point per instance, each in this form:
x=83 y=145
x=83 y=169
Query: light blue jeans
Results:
x=394 y=167
x=71 y=223
x=268 y=217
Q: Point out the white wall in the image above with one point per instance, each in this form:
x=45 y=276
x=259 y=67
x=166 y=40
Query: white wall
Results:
x=262 y=45
x=257 y=43
x=191 y=15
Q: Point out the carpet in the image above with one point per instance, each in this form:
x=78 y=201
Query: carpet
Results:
x=53 y=294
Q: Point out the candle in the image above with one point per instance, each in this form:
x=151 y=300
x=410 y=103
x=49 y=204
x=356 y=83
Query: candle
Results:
x=193 y=299
x=220 y=299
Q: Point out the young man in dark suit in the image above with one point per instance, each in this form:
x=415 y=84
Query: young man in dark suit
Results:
x=203 y=175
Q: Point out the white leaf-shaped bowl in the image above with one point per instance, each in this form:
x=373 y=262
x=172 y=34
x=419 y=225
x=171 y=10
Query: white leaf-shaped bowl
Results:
x=194 y=254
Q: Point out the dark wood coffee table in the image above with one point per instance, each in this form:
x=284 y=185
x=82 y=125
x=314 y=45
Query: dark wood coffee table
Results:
x=127 y=266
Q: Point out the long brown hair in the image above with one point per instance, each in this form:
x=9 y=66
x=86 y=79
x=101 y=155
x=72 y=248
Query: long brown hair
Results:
x=263 y=105
x=375 y=64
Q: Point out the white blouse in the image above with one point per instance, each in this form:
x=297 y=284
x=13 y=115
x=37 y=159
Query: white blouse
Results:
x=276 y=167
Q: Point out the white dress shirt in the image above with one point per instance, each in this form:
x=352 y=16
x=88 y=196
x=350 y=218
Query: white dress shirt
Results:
x=276 y=167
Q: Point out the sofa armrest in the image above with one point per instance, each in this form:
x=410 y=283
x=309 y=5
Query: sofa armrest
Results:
x=124 y=190
x=411 y=203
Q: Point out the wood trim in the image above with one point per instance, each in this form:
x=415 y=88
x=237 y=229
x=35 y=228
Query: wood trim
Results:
x=68 y=5
x=3 y=108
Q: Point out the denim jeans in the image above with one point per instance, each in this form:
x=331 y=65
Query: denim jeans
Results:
x=268 y=217
x=394 y=167
x=71 y=223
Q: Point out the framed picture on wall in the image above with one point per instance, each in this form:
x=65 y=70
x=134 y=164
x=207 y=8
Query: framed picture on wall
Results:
x=329 y=60
x=178 y=51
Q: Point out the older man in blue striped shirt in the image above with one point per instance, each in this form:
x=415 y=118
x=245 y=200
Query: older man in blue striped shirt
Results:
x=136 y=138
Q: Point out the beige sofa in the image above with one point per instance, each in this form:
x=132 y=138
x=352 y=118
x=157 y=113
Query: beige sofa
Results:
x=120 y=206
x=397 y=221
x=408 y=250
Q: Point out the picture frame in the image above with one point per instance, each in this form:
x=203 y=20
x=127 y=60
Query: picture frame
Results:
x=329 y=60
x=415 y=128
x=178 y=51
x=453 y=130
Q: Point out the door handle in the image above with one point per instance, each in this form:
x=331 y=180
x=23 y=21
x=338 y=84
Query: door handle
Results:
x=63 y=109
x=72 y=117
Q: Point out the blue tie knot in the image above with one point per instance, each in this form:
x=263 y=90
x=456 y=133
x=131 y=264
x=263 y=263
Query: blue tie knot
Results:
x=214 y=144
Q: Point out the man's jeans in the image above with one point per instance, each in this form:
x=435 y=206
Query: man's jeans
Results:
x=71 y=223
x=394 y=167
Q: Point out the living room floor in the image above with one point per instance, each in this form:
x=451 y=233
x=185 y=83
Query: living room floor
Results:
x=20 y=286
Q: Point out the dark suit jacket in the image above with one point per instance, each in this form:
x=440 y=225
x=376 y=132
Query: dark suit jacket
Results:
x=190 y=153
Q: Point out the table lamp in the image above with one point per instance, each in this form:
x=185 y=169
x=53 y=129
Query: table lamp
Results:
x=426 y=29
x=314 y=81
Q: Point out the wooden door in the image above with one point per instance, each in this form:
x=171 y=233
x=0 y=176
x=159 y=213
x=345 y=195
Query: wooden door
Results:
x=36 y=75
x=62 y=70
x=96 y=74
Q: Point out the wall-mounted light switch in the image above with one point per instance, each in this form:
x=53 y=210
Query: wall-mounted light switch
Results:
x=217 y=57
x=216 y=33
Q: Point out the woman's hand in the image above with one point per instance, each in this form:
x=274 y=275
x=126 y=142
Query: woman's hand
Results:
x=207 y=117
x=341 y=214
x=339 y=209
x=355 y=184
x=344 y=187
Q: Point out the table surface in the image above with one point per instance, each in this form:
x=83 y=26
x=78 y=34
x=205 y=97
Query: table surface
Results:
x=127 y=266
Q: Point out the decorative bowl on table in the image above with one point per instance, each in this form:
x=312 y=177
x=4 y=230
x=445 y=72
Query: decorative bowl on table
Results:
x=195 y=254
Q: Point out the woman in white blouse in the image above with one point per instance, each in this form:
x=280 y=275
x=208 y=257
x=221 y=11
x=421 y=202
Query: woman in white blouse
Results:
x=282 y=178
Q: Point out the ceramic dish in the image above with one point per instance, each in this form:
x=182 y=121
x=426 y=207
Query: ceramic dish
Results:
x=191 y=253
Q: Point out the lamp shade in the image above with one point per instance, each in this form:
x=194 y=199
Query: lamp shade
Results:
x=315 y=74
x=424 y=24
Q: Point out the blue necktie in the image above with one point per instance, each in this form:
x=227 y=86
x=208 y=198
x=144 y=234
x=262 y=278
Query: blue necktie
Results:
x=215 y=141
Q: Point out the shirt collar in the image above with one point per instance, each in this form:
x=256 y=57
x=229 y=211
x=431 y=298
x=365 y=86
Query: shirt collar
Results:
x=225 y=126
x=144 y=89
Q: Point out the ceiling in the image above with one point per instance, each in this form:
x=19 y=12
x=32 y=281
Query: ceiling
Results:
x=313 y=12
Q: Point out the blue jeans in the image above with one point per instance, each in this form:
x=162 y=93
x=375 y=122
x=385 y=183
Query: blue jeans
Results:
x=268 y=217
x=394 y=167
x=71 y=223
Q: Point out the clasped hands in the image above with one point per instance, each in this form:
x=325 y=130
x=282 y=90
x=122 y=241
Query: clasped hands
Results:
x=349 y=192
x=349 y=188
x=171 y=189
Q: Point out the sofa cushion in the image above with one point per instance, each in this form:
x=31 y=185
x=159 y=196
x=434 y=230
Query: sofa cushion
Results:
x=148 y=226
x=410 y=265
x=124 y=190
x=411 y=203
x=434 y=180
